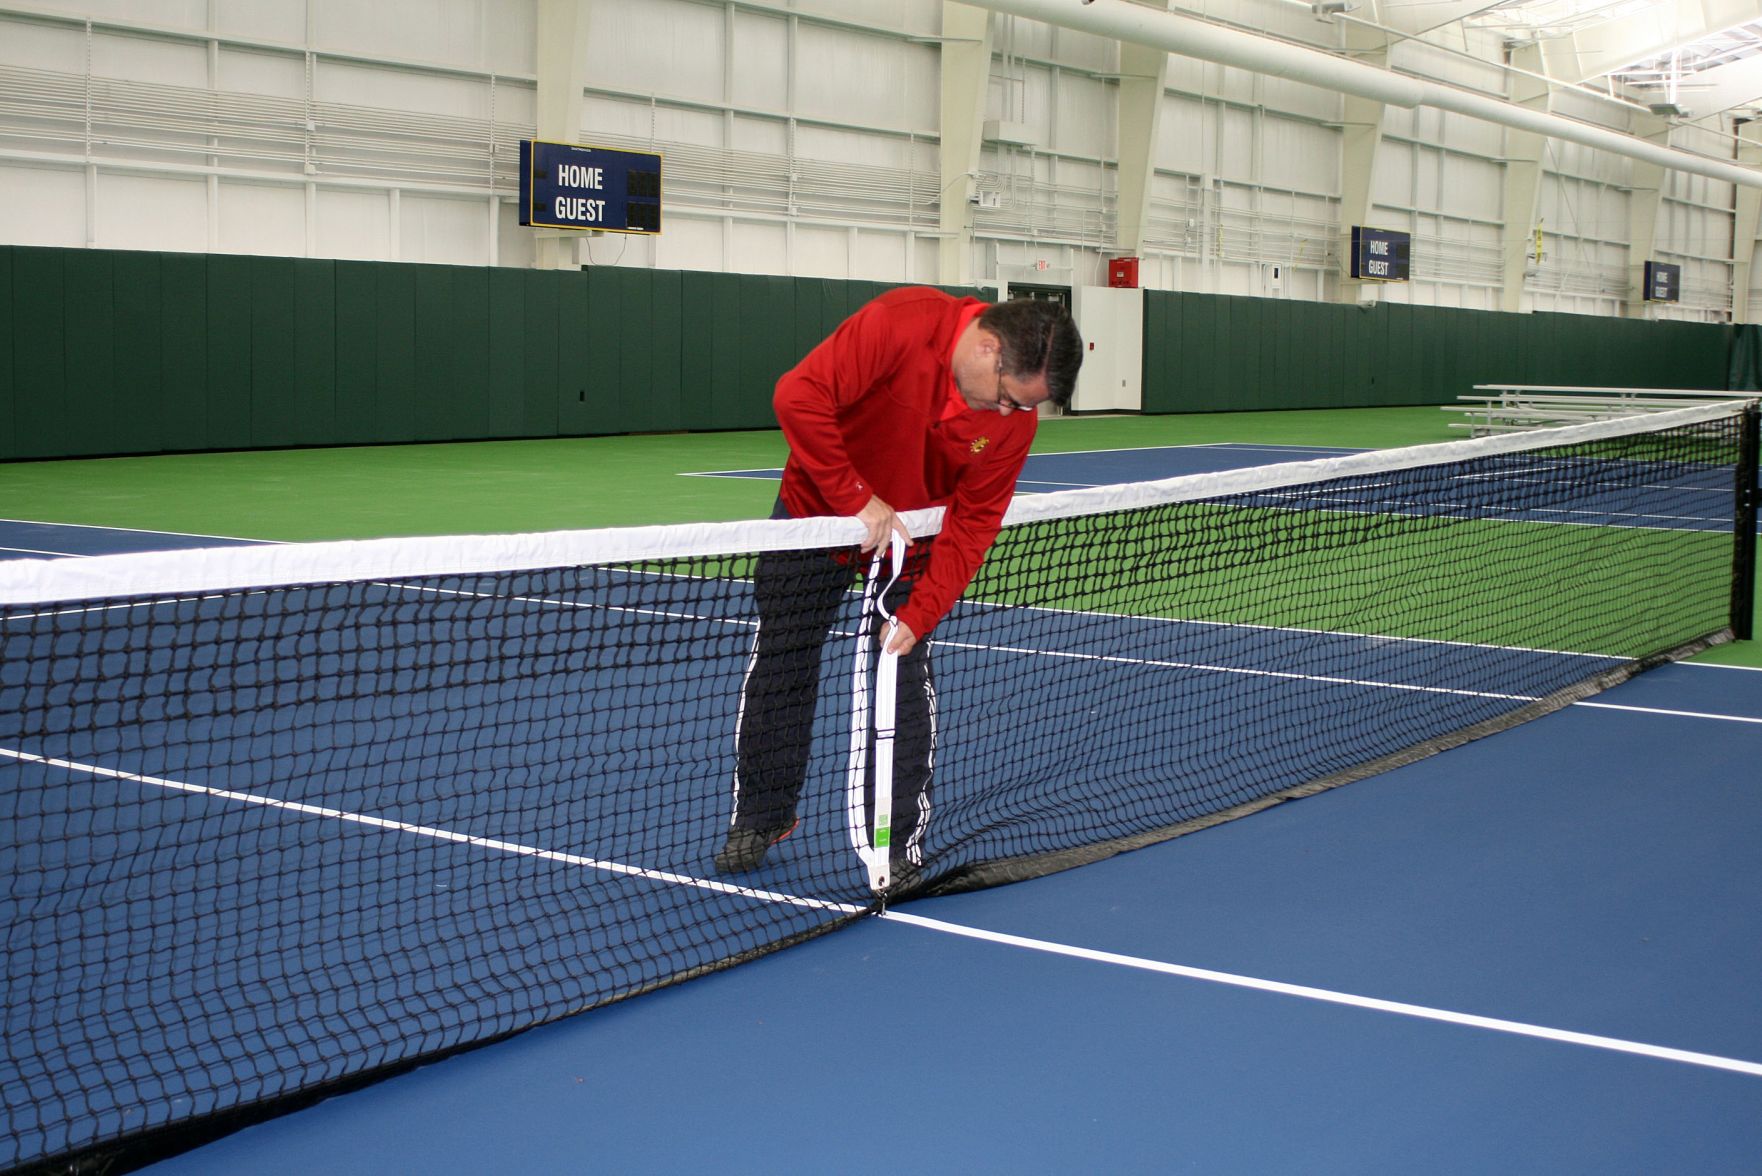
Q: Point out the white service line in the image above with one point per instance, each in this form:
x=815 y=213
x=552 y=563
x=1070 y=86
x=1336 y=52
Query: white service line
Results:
x=1711 y=1061
x=135 y=530
x=1654 y=710
x=429 y=831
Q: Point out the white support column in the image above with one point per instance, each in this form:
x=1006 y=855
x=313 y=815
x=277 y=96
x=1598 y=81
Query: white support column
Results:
x=966 y=70
x=562 y=75
x=1523 y=178
x=1361 y=135
x=1745 y=224
x=1645 y=196
x=1144 y=74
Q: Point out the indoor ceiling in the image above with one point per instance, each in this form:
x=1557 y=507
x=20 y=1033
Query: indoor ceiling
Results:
x=1690 y=58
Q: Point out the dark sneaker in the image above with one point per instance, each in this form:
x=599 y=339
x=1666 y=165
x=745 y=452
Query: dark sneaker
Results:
x=745 y=848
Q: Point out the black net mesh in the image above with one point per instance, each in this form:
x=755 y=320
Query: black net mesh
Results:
x=258 y=842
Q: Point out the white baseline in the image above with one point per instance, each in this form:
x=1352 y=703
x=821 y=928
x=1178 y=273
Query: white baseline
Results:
x=1689 y=1057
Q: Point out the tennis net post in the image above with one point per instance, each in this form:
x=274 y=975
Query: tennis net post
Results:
x=1744 y=510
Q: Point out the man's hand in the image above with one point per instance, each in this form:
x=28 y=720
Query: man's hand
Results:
x=879 y=518
x=900 y=640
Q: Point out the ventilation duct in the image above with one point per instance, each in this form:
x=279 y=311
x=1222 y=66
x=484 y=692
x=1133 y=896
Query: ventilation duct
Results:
x=1125 y=21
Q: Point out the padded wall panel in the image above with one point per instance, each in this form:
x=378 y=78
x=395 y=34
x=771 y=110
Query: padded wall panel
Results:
x=732 y=402
x=39 y=340
x=276 y=405
x=1397 y=373
x=8 y=351
x=536 y=340
x=182 y=320
x=671 y=324
x=394 y=352
x=505 y=370
x=583 y=352
x=355 y=298
x=87 y=422
x=139 y=348
x=438 y=411
x=229 y=352
x=594 y=335
x=315 y=326
x=1320 y=349
x=768 y=332
x=1203 y=387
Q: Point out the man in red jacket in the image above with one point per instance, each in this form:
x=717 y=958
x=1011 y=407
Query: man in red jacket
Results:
x=919 y=399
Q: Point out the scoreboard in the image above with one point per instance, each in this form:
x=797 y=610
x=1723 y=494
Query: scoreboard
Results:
x=1380 y=255
x=1663 y=282
x=570 y=186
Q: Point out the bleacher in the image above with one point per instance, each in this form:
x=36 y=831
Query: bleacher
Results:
x=1508 y=408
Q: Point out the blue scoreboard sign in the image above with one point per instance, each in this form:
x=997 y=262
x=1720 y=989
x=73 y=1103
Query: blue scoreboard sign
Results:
x=568 y=186
x=1380 y=255
x=1663 y=282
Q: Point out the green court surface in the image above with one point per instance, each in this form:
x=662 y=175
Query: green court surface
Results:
x=1273 y=568
x=296 y=495
x=510 y=486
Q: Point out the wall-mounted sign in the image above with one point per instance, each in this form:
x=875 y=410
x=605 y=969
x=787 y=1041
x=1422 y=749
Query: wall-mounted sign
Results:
x=1663 y=282
x=568 y=186
x=1380 y=255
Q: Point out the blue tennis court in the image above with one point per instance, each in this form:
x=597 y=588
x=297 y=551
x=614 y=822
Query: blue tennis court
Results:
x=1584 y=884
x=1524 y=954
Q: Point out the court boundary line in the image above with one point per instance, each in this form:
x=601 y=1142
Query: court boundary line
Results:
x=1329 y=996
x=301 y=808
x=1236 y=446
x=1678 y=714
x=140 y=531
x=967 y=646
x=28 y=551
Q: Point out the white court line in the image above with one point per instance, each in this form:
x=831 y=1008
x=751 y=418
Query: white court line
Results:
x=1271 y=448
x=513 y=847
x=1653 y=710
x=1061 y=485
x=759 y=474
x=1497 y=1025
x=1235 y=446
x=1154 y=663
x=37 y=551
x=1245 y=671
x=947 y=643
x=138 y=531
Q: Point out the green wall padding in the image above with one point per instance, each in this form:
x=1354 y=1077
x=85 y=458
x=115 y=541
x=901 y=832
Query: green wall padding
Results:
x=108 y=352
x=38 y=348
x=1743 y=368
x=1218 y=353
x=8 y=352
x=88 y=420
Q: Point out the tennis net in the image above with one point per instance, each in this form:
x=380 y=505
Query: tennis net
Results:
x=277 y=820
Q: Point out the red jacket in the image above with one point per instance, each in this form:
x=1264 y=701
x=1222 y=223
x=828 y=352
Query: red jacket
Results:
x=863 y=416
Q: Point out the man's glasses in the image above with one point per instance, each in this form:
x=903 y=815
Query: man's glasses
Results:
x=1006 y=402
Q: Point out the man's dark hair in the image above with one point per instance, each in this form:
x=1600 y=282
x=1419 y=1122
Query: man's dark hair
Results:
x=1038 y=338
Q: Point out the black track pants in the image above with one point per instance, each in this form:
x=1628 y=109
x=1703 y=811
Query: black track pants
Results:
x=799 y=594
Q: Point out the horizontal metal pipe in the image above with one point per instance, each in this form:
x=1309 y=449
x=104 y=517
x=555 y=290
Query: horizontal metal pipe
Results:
x=1208 y=42
x=1585 y=134
x=1124 y=21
